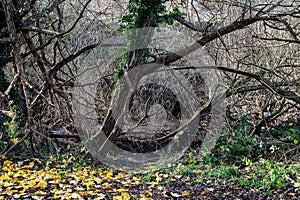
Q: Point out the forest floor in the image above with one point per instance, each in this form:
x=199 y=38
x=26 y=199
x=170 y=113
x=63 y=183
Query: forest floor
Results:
x=69 y=177
x=240 y=167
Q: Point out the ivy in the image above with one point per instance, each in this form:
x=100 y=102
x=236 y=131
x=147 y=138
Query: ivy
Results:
x=142 y=13
x=145 y=13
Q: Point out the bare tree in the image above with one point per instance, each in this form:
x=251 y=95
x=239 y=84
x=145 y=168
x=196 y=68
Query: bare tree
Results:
x=254 y=43
x=40 y=40
x=242 y=31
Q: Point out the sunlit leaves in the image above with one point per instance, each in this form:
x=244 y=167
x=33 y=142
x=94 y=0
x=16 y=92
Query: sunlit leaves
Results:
x=23 y=180
x=64 y=179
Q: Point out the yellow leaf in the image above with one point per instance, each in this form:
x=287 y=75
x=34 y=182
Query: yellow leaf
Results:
x=148 y=192
x=120 y=190
x=91 y=183
x=7 y=165
x=296 y=141
x=32 y=183
x=15 y=140
x=109 y=175
x=22 y=192
x=57 y=192
x=57 y=165
x=41 y=184
x=10 y=192
x=93 y=173
x=144 y=197
x=29 y=166
x=153 y=183
x=106 y=185
x=84 y=194
x=36 y=160
x=55 y=182
x=39 y=173
x=126 y=196
x=4 y=177
x=117 y=198
x=185 y=193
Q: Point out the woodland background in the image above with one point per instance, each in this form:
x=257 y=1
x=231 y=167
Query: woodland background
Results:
x=254 y=46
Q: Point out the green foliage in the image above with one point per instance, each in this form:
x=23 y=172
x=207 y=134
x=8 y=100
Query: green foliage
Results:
x=236 y=145
x=17 y=104
x=266 y=175
x=118 y=70
x=262 y=175
x=3 y=32
x=148 y=177
x=2 y=145
x=10 y=127
x=288 y=132
x=225 y=171
x=144 y=13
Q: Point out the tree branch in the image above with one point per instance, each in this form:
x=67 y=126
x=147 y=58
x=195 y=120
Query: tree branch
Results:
x=70 y=58
x=266 y=83
x=109 y=125
x=40 y=30
x=202 y=27
x=278 y=39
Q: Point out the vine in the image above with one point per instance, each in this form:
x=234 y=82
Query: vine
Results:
x=142 y=13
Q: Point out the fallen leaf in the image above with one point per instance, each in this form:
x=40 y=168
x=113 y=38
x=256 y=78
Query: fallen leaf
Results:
x=185 y=193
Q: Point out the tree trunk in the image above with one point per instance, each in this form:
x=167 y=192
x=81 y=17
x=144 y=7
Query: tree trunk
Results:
x=17 y=104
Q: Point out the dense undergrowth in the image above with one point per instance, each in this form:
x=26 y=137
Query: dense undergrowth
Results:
x=277 y=143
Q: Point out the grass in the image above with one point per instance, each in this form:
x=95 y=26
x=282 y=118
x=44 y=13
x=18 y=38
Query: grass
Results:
x=238 y=161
